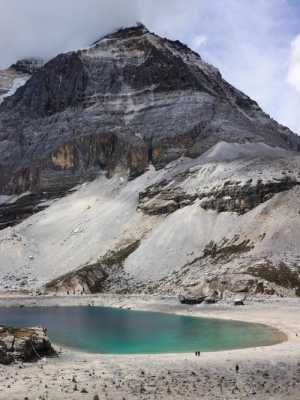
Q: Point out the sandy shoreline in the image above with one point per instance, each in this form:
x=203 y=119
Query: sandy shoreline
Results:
x=265 y=372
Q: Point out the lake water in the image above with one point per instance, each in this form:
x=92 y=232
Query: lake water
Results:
x=115 y=331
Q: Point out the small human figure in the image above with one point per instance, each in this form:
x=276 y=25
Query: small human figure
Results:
x=221 y=384
x=237 y=368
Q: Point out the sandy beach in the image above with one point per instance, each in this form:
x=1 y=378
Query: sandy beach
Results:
x=264 y=372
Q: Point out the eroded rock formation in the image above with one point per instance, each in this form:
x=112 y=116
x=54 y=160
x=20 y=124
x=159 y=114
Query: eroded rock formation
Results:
x=26 y=345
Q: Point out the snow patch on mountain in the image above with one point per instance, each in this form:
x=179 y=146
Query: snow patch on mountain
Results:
x=13 y=86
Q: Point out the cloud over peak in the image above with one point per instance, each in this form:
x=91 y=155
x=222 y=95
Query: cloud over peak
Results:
x=249 y=42
x=294 y=67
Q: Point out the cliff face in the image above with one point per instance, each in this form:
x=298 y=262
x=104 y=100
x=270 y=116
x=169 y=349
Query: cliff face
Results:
x=137 y=143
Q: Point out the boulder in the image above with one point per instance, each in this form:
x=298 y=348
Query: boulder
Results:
x=211 y=300
x=239 y=302
x=24 y=344
x=199 y=293
x=190 y=299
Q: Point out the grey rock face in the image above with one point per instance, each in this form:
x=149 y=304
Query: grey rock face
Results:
x=166 y=197
x=236 y=198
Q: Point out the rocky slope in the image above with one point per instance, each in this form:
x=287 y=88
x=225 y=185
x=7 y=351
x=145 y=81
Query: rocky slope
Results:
x=135 y=167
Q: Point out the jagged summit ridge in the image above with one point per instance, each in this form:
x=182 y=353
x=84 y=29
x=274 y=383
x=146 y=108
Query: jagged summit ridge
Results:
x=136 y=30
x=141 y=34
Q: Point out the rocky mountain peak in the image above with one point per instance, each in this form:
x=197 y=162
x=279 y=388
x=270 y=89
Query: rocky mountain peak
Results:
x=125 y=33
x=132 y=99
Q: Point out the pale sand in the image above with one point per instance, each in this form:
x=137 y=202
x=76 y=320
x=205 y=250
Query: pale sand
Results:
x=265 y=373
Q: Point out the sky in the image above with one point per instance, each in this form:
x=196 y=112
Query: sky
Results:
x=255 y=44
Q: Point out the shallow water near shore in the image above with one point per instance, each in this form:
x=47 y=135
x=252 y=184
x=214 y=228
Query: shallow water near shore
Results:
x=114 y=331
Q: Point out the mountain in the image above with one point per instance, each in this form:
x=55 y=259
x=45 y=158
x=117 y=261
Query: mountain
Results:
x=133 y=166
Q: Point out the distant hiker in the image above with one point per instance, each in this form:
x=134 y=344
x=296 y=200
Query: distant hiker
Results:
x=221 y=384
x=237 y=368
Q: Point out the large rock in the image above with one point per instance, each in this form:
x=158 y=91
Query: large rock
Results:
x=27 y=345
x=209 y=291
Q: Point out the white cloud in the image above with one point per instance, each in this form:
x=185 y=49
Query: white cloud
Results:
x=294 y=67
x=45 y=28
x=198 y=41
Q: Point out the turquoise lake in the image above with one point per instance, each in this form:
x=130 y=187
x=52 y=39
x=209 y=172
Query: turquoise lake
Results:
x=115 y=331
